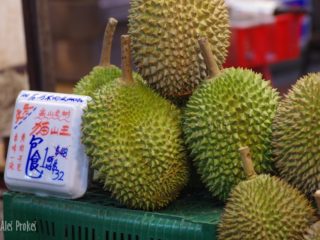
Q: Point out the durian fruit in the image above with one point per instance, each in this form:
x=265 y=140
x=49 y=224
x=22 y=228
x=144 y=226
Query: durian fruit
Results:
x=234 y=107
x=264 y=208
x=313 y=233
x=135 y=138
x=296 y=135
x=105 y=72
x=164 y=41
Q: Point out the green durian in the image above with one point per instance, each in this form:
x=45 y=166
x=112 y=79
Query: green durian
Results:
x=105 y=72
x=313 y=233
x=235 y=107
x=264 y=208
x=296 y=135
x=164 y=41
x=134 y=137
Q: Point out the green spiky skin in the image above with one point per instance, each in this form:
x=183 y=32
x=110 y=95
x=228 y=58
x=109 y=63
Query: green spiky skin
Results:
x=313 y=233
x=265 y=208
x=165 y=41
x=296 y=135
x=133 y=137
x=99 y=76
x=234 y=109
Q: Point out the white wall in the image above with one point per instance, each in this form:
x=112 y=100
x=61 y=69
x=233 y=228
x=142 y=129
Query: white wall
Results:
x=12 y=41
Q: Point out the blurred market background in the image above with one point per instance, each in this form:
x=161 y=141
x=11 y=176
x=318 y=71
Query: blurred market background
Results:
x=271 y=36
x=50 y=44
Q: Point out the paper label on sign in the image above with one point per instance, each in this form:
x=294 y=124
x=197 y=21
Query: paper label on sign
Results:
x=45 y=137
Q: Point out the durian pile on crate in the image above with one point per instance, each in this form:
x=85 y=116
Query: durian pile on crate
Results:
x=143 y=131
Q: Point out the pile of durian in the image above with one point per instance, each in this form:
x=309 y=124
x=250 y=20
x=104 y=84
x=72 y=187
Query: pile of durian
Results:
x=253 y=150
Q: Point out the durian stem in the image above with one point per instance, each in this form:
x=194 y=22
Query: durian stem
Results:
x=208 y=57
x=105 y=59
x=126 y=59
x=247 y=162
x=317 y=198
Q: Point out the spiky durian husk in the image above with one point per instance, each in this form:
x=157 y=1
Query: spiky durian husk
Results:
x=99 y=76
x=265 y=208
x=313 y=233
x=296 y=135
x=134 y=139
x=165 y=41
x=234 y=109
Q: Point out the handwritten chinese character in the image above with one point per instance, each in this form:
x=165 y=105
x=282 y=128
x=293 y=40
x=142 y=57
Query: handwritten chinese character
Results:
x=54 y=131
x=66 y=115
x=34 y=158
x=18 y=115
x=49 y=163
x=11 y=165
x=42 y=114
x=15 y=137
x=23 y=137
x=27 y=107
x=14 y=148
x=21 y=148
x=22 y=114
x=57 y=115
x=50 y=115
x=64 y=131
x=40 y=128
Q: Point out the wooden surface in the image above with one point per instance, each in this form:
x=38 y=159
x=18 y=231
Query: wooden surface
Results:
x=39 y=45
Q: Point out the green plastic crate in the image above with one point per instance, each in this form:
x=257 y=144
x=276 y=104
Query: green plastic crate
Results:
x=97 y=217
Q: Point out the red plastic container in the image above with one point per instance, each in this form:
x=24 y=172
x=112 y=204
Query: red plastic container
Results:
x=265 y=44
x=288 y=32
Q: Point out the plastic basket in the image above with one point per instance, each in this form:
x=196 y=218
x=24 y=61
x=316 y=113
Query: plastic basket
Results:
x=288 y=33
x=97 y=217
x=266 y=44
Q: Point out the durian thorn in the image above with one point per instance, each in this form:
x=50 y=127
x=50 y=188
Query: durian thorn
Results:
x=247 y=163
x=208 y=57
x=317 y=198
x=105 y=58
x=126 y=59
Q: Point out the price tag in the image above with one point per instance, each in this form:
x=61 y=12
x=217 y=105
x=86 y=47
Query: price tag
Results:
x=45 y=154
